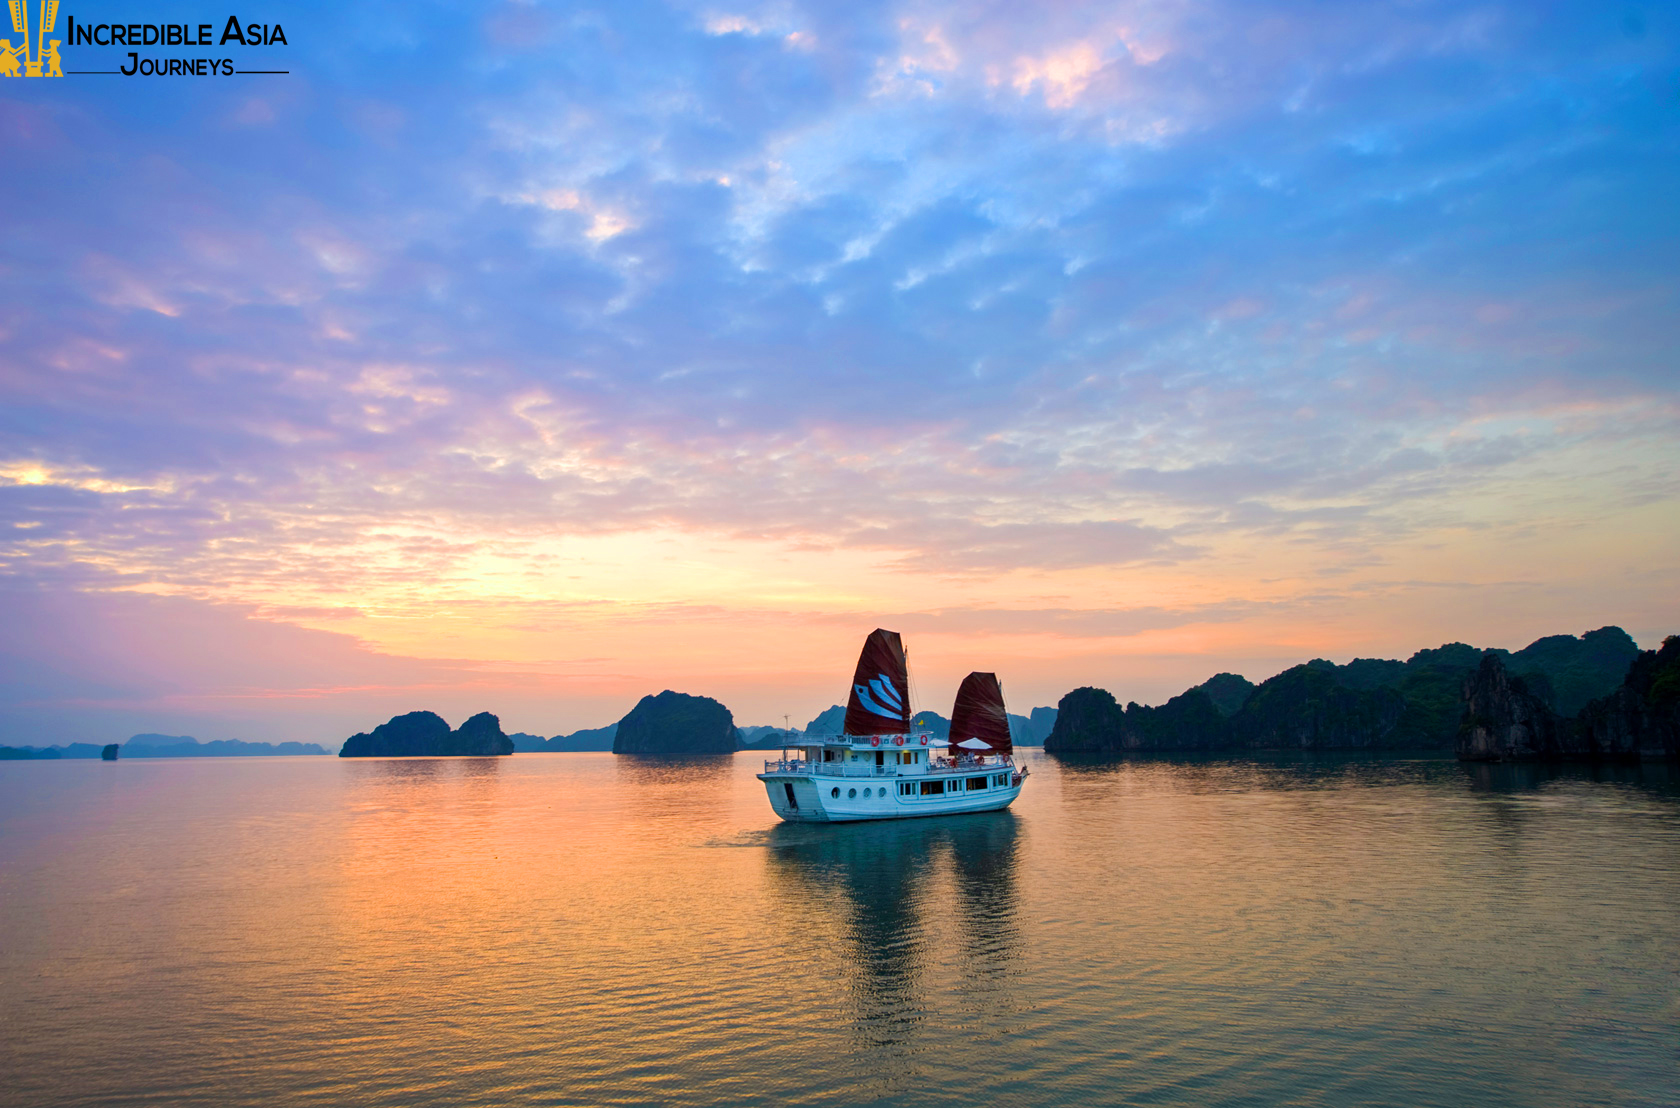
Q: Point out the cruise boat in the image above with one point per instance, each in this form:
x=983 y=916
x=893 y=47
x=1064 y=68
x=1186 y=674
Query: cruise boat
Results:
x=882 y=768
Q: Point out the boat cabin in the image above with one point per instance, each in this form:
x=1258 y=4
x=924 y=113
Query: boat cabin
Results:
x=918 y=753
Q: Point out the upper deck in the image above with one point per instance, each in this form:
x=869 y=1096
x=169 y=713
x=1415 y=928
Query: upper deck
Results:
x=918 y=754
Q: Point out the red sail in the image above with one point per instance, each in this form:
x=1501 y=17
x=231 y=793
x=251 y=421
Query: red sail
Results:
x=979 y=714
x=880 y=703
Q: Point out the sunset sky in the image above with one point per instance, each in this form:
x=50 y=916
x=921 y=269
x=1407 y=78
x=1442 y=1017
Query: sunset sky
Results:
x=534 y=357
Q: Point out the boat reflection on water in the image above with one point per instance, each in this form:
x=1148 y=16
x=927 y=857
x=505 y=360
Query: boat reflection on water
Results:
x=898 y=910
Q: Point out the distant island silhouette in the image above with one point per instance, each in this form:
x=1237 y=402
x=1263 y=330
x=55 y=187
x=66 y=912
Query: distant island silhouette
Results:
x=422 y=734
x=1596 y=695
x=588 y=739
x=185 y=746
x=676 y=723
x=1023 y=730
x=682 y=739
x=163 y=746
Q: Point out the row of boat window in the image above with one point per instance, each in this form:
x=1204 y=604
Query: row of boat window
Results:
x=967 y=784
x=851 y=794
x=932 y=788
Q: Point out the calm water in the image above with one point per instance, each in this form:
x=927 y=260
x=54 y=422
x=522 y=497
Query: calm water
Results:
x=580 y=929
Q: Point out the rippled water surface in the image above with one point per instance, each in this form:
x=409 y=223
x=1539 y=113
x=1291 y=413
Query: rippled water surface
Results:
x=584 y=929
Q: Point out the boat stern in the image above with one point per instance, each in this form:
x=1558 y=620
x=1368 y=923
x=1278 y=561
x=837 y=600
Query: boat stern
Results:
x=794 y=798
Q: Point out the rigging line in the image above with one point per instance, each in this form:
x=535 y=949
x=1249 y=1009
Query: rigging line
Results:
x=910 y=686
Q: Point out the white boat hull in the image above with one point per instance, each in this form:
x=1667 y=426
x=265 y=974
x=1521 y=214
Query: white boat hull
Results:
x=822 y=799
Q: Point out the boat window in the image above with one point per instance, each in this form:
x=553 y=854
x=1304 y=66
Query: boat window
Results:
x=932 y=788
x=835 y=792
x=976 y=783
x=851 y=794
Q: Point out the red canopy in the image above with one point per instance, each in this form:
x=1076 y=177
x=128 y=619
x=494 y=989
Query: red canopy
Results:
x=979 y=714
x=880 y=703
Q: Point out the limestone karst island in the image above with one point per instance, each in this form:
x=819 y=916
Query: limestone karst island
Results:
x=1596 y=696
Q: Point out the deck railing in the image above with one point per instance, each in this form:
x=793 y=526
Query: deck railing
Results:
x=869 y=769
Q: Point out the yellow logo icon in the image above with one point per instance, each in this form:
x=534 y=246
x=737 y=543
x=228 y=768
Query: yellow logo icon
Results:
x=43 y=60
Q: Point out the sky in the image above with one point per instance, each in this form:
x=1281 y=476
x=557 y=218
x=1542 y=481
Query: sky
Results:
x=535 y=357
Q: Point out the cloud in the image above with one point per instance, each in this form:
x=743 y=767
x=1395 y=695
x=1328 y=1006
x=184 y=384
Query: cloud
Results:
x=1075 y=623
x=951 y=545
x=97 y=663
x=931 y=293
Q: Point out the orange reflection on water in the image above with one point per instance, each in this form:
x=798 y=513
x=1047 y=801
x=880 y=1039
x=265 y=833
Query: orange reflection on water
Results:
x=590 y=929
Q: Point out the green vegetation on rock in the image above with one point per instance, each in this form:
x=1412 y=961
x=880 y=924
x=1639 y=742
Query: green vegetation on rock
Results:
x=1367 y=704
x=676 y=723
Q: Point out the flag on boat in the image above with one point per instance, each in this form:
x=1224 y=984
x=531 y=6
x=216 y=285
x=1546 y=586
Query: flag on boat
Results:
x=979 y=715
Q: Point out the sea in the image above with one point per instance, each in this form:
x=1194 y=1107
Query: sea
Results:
x=585 y=929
